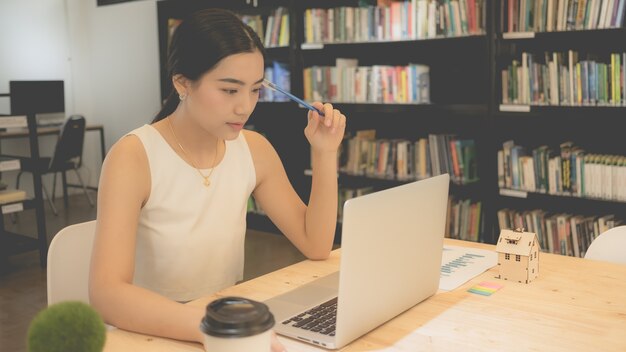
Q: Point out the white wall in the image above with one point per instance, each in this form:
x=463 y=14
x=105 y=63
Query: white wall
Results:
x=107 y=56
x=33 y=41
x=124 y=67
x=34 y=46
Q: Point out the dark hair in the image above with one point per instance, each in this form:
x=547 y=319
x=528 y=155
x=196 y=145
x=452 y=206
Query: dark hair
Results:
x=200 y=42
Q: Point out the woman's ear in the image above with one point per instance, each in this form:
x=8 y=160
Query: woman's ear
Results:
x=181 y=84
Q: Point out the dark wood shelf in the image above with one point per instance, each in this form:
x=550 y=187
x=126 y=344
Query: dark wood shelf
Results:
x=28 y=203
x=285 y=49
x=512 y=110
x=465 y=110
x=383 y=44
x=466 y=190
x=585 y=35
x=12 y=243
x=561 y=203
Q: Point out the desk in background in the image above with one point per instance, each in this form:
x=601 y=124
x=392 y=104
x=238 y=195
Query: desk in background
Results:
x=47 y=131
x=52 y=131
x=574 y=305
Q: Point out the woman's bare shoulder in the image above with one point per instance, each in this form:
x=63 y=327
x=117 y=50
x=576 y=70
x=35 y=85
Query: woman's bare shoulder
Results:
x=128 y=149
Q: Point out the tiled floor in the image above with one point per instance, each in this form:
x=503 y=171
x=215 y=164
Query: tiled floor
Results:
x=23 y=281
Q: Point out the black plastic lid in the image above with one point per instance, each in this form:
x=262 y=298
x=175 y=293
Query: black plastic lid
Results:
x=236 y=317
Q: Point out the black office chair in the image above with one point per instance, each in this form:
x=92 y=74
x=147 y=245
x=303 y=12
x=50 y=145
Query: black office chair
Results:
x=68 y=155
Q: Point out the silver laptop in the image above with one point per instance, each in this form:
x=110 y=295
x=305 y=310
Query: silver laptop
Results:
x=392 y=243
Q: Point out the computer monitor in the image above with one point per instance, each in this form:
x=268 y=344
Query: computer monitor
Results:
x=36 y=97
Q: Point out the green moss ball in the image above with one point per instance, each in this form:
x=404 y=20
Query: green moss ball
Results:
x=67 y=327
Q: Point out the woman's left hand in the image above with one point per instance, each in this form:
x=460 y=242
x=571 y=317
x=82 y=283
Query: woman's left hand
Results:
x=325 y=133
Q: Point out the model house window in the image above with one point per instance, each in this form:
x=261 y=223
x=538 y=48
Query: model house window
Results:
x=507 y=256
x=518 y=258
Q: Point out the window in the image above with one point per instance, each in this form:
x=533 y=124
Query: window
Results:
x=535 y=255
x=507 y=256
x=518 y=258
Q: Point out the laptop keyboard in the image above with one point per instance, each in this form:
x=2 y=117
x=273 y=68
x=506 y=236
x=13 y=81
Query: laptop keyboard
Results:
x=320 y=319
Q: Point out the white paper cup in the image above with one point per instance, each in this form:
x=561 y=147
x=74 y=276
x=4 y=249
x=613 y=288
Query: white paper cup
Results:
x=257 y=343
x=233 y=324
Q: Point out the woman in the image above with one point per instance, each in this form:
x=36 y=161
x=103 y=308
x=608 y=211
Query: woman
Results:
x=173 y=194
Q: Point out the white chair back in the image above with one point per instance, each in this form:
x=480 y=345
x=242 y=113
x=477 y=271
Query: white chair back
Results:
x=609 y=246
x=69 y=259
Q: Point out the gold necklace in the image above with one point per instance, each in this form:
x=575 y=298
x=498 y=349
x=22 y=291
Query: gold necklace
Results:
x=206 y=179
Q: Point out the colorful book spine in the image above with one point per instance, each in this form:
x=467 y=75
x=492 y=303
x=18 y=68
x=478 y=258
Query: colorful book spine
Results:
x=397 y=20
x=349 y=83
x=402 y=159
x=568 y=170
x=560 y=15
x=566 y=234
x=554 y=82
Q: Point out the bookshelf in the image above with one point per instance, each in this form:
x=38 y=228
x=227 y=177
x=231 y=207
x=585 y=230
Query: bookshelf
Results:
x=14 y=243
x=458 y=109
x=590 y=126
x=465 y=100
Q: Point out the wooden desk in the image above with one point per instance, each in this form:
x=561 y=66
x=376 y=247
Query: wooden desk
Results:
x=51 y=131
x=47 y=131
x=574 y=305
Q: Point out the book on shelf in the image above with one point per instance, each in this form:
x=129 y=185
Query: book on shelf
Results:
x=172 y=24
x=346 y=193
x=277 y=29
x=274 y=32
x=254 y=207
x=565 y=79
x=396 y=20
x=559 y=233
x=405 y=160
x=255 y=22
x=566 y=171
x=346 y=82
x=464 y=219
x=12 y=195
x=560 y=15
x=278 y=73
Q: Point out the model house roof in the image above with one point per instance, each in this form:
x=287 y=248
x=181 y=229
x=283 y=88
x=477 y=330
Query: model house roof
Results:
x=517 y=243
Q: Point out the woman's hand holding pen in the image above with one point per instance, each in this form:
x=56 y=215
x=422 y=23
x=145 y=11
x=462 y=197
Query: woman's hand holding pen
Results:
x=325 y=133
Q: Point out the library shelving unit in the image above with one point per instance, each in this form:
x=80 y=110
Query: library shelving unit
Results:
x=591 y=127
x=459 y=92
x=466 y=100
x=14 y=243
x=459 y=100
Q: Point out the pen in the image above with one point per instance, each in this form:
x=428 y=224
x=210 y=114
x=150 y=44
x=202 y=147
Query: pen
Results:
x=292 y=97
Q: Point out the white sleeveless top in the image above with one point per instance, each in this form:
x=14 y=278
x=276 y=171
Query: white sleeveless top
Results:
x=190 y=238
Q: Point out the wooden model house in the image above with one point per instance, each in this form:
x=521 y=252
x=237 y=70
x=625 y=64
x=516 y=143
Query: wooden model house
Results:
x=518 y=255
